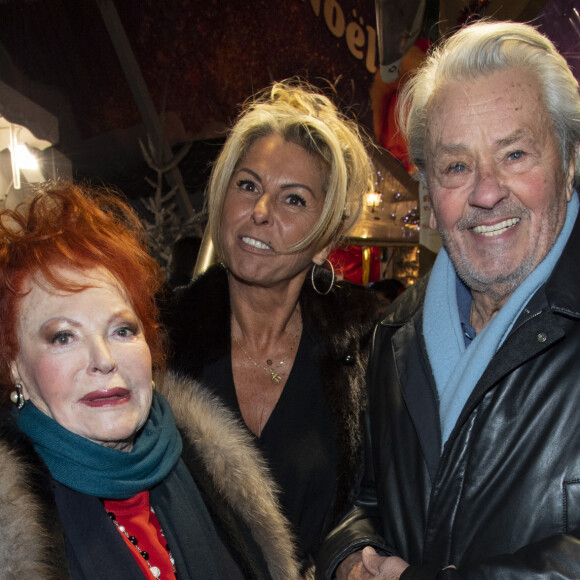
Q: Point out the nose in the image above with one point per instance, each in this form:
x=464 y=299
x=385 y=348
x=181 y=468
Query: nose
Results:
x=261 y=214
x=488 y=189
x=101 y=359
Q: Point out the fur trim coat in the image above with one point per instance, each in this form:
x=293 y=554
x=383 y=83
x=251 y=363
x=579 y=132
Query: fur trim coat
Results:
x=341 y=323
x=228 y=470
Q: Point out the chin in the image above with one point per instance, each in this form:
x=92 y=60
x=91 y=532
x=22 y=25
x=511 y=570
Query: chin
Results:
x=120 y=444
x=114 y=436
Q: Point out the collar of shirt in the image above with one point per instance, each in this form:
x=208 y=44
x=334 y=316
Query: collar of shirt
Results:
x=464 y=307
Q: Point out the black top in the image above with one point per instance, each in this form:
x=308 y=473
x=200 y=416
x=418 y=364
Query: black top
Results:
x=299 y=442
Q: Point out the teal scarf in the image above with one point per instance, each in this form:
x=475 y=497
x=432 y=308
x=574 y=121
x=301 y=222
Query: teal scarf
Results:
x=457 y=369
x=96 y=470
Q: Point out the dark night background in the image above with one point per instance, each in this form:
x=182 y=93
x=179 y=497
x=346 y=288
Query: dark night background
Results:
x=200 y=60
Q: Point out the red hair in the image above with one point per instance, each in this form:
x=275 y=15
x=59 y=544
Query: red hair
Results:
x=80 y=227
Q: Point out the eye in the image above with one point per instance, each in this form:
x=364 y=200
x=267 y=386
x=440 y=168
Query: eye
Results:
x=126 y=331
x=295 y=199
x=516 y=155
x=62 y=338
x=455 y=168
x=246 y=185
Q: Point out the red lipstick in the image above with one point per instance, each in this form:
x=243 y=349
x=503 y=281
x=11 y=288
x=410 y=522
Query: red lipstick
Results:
x=106 y=397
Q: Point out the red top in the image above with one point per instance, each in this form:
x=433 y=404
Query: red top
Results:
x=137 y=516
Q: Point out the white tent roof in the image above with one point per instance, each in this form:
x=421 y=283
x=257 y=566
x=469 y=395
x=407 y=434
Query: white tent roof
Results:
x=39 y=128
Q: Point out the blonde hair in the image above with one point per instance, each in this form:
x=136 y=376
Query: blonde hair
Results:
x=295 y=111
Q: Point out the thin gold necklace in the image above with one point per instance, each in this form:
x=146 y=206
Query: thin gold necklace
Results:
x=274 y=375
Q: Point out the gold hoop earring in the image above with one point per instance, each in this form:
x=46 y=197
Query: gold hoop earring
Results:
x=314 y=283
x=17 y=397
x=153 y=385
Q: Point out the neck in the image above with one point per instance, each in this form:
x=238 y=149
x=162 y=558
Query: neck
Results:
x=263 y=316
x=484 y=307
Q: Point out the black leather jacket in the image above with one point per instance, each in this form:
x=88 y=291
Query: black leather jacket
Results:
x=503 y=499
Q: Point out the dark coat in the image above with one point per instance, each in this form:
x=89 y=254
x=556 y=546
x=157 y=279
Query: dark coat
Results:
x=231 y=477
x=503 y=499
x=341 y=323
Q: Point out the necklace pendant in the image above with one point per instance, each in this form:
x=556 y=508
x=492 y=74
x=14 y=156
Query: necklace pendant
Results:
x=276 y=377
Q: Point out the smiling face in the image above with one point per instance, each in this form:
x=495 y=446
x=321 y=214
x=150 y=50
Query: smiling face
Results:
x=83 y=360
x=274 y=199
x=498 y=189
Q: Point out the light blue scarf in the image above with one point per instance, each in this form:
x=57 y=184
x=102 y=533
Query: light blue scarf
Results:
x=457 y=369
x=96 y=470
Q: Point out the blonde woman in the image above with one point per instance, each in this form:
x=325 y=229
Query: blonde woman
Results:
x=269 y=329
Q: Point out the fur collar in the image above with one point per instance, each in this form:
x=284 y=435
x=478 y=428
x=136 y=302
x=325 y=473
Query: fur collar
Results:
x=32 y=544
x=235 y=467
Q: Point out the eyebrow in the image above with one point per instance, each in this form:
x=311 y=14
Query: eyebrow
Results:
x=283 y=186
x=253 y=173
x=454 y=149
x=122 y=313
x=449 y=149
x=511 y=139
x=65 y=319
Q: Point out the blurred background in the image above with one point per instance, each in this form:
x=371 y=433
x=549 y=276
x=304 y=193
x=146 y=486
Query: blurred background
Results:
x=138 y=95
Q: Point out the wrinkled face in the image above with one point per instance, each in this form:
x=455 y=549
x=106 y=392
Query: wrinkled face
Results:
x=83 y=360
x=274 y=200
x=495 y=176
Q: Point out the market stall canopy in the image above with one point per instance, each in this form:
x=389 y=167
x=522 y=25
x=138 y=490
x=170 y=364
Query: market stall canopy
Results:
x=391 y=214
x=27 y=134
x=39 y=128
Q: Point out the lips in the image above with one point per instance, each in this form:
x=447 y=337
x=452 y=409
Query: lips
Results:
x=496 y=229
x=106 y=397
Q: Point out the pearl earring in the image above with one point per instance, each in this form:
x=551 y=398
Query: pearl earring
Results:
x=17 y=397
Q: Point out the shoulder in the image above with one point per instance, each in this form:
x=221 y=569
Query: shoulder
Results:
x=197 y=322
x=406 y=305
x=32 y=543
x=349 y=308
x=206 y=293
x=214 y=279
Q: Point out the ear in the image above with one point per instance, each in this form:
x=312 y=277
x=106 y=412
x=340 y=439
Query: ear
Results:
x=570 y=176
x=14 y=374
x=432 y=220
x=322 y=255
x=16 y=378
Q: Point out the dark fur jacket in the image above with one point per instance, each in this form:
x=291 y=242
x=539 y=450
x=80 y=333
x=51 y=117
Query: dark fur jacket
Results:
x=230 y=474
x=341 y=323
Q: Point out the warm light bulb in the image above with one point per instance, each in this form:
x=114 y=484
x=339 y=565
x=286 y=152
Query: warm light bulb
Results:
x=25 y=159
x=373 y=199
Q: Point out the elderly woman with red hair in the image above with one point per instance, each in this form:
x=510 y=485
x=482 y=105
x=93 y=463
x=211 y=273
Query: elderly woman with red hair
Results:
x=103 y=475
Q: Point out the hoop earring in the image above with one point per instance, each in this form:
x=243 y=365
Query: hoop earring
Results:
x=331 y=281
x=17 y=397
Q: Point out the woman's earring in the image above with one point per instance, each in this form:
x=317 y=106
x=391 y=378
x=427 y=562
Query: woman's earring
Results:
x=331 y=281
x=153 y=385
x=17 y=397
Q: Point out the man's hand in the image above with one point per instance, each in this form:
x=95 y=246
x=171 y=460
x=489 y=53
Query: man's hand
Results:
x=367 y=564
x=386 y=568
x=351 y=567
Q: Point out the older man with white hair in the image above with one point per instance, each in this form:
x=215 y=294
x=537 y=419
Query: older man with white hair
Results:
x=473 y=422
